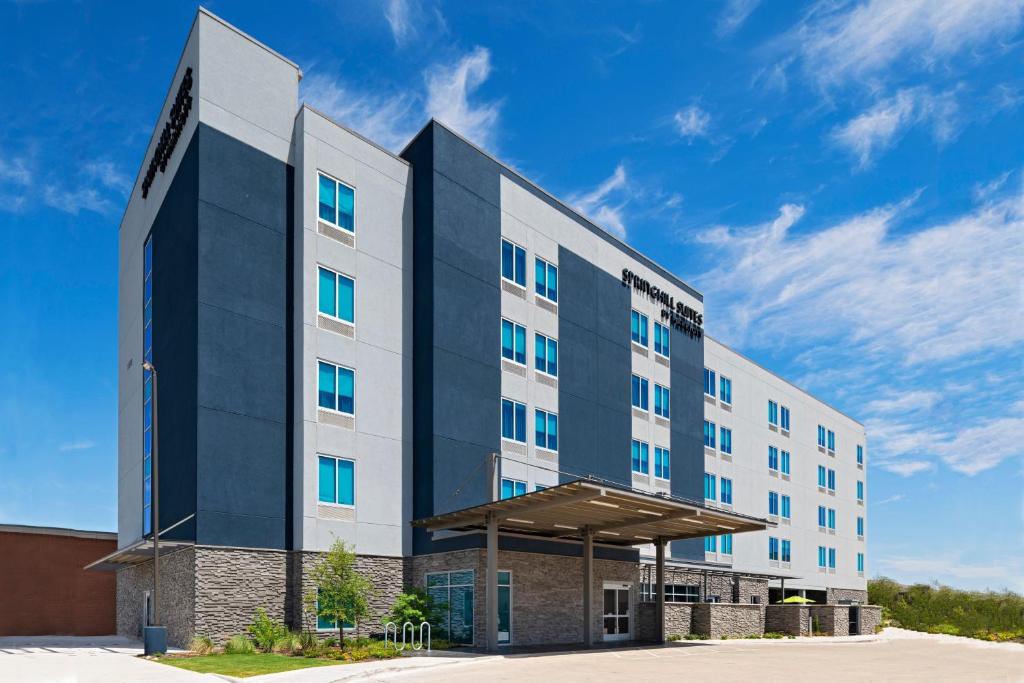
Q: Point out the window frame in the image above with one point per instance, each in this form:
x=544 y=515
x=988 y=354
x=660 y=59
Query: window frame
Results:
x=773 y=413
x=335 y=223
x=725 y=444
x=537 y=336
x=548 y=265
x=643 y=458
x=514 y=483
x=709 y=432
x=547 y=429
x=723 y=381
x=666 y=467
x=501 y=430
x=662 y=338
x=336 y=458
x=337 y=396
x=337 y=307
x=643 y=332
x=784 y=417
x=710 y=478
x=724 y=489
x=501 y=258
x=710 y=381
x=774 y=548
x=644 y=392
x=663 y=392
x=515 y=325
x=773 y=458
x=785 y=466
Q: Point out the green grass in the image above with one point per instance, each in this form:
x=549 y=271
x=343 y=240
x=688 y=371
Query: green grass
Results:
x=242 y=666
x=987 y=615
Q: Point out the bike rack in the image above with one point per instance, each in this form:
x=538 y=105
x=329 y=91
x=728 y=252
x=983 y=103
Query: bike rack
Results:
x=407 y=628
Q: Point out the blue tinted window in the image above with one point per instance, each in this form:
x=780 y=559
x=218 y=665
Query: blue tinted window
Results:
x=832 y=519
x=638 y=327
x=328 y=199
x=328 y=295
x=709 y=382
x=346 y=207
x=725 y=442
x=773 y=503
x=346 y=391
x=860 y=526
x=710 y=544
x=773 y=413
x=546 y=430
x=513 y=420
x=860 y=455
x=327 y=386
x=786 y=555
x=709 y=434
x=785 y=462
x=831 y=440
x=860 y=562
x=821 y=476
x=512 y=487
x=513 y=263
x=860 y=490
x=831 y=558
x=832 y=480
x=662 y=462
x=773 y=548
x=346 y=298
x=725 y=387
x=546 y=279
x=821 y=516
x=328 y=480
x=661 y=401
x=709 y=486
x=821 y=556
x=726 y=491
x=785 y=418
x=639 y=391
x=726 y=542
x=640 y=457
x=545 y=354
x=773 y=458
x=661 y=339
x=785 y=507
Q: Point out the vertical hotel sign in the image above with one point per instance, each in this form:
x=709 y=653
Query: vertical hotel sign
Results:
x=674 y=313
x=171 y=132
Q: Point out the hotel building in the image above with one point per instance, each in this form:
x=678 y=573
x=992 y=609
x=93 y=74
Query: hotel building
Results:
x=429 y=357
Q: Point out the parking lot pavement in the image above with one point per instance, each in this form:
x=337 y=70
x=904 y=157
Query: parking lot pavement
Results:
x=892 y=657
x=62 y=659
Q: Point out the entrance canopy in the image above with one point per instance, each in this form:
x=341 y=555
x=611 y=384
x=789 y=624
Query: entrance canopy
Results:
x=612 y=515
x=140 y=551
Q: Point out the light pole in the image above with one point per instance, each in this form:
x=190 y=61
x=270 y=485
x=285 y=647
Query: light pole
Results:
x=155 y=637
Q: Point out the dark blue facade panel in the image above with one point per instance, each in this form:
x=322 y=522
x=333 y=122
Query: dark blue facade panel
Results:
x=687 y=445
x=175 y=281
x=594 y=371
x=242 y=448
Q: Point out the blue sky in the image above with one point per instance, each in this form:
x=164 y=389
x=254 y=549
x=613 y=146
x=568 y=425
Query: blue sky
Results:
x=843 y=180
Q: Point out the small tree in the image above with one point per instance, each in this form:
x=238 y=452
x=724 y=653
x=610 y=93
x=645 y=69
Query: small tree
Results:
x=341 y=592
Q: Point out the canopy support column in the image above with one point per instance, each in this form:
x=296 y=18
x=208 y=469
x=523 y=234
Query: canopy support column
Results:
x=588 y=587
x=660 y=582
x=492 y=582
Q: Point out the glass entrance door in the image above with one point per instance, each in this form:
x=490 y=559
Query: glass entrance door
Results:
x=616 y=611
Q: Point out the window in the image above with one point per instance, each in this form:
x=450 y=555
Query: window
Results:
x=709 y=382
x=674 y=592
x=773 y=413
x=513 y=263
x=831 y=558
x=709 y=486
x=639 y=392
x=832 y=480
x=726 y=544
x=785 y=507
x=725 y=390
x=546 y=280
x=832 y=519
x=336 y=481
x=512 y=487
x=638 y=327
x=821 y=476
x=337 y=203
x=831 y=440
x=785 y=462
x=513 y=420
x=661 y=401
x=726 y=491
x=147 y=388
x=784 y=413
x=336 y=388
x=860 y=526
x=860 y=562
x=773 y=548
x=539 y=487
x=545 y=352
x=661 y=340
x=454 y=592
x=786 y=551
x=546 y=430
x=336 y=295
x=662 y=462
x=821 y=436
x=821 y=556
x=513 y=342
x=860 y=491
x=639 y=457
x=710 y=544
x=860 y=455
x=821 y=516
x=773 y=458
x=326 y=623
x=725 y=442
x=773 y=503
x=709 y=434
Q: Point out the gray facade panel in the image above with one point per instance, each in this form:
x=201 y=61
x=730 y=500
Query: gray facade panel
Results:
x=687 y=445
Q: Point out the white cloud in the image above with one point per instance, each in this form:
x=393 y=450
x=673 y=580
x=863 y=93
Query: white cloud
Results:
x=80 y=445
x=74 y=200
x=891 y=499
x=14 y=171
x=14 y=179
x=388 y=120
x=877 y=129
x=449 y=89
x=398 y=14
x=692 y=122
x=882 y=296
x=907 y=468
x=839 y=41
x=109 y=176
x=598 y=205
x=733 y=15
x=952 y=569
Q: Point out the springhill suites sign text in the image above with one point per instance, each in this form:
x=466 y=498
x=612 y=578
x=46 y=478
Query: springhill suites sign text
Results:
x=674 y=313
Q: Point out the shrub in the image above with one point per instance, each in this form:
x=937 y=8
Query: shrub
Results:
x=239 y=645
x=331 y=642
x=201 y=645
x=308 y=640
x=265 y=632
x=695 y=636
x=287 y=644
x=774 y=636
x=415 y=606
x=675 y=637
